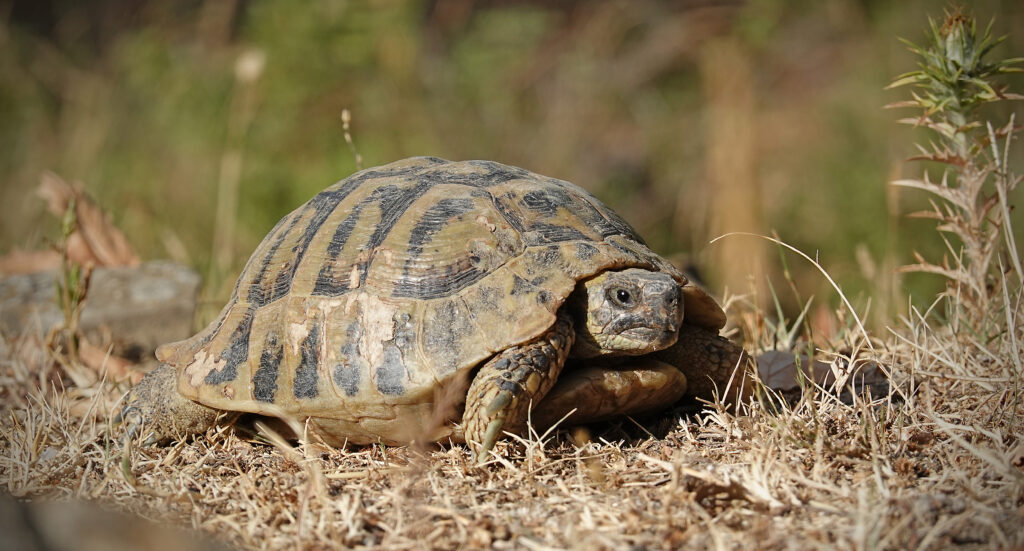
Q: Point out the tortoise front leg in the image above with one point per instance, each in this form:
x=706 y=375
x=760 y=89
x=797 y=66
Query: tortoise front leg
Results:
x=504 y=388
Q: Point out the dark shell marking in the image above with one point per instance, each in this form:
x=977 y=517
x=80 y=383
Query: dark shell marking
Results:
x=384 y=284
x=264 y=381
x=304 y=384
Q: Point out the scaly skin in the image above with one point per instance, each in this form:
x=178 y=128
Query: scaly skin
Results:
x=155 y=406
x=701 y=364
x=597 y=392
x=504 y=388
x=713 y=365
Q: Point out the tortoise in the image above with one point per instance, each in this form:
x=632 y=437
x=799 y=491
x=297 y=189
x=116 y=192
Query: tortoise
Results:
x=428 y=284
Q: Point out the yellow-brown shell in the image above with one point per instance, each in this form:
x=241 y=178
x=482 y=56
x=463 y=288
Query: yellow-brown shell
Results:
x=385 y=285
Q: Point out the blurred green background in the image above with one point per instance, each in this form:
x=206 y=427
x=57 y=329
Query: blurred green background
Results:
x=198 y=124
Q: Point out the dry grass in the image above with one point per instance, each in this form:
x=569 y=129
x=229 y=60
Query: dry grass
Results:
x=936 y=462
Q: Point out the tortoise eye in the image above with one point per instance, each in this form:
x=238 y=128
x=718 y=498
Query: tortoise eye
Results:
x=621 y=297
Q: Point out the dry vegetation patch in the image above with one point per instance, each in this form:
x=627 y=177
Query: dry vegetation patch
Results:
x=935 y=462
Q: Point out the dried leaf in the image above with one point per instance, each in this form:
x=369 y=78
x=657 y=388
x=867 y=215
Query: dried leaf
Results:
x=918 y=438
x=79 y=251
x=1017 y=457
x=779 y=370
x=926 y=214
x=95 y=240
x=91 y=405
x=105 y=241
x=101 y=361
x=28 y=262
x=56 y=192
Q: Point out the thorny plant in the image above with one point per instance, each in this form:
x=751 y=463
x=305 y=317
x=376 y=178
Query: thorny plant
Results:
x=965 y=380
x=953 y=81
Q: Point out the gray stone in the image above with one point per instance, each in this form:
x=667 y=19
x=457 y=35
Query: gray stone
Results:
x=140 y=307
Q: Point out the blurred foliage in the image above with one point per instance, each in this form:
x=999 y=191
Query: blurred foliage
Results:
x=136 y=100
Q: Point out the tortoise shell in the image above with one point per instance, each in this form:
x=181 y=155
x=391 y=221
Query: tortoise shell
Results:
x=362 y=302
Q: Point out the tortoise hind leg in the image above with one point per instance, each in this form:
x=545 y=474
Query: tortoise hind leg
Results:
x=504 y=388
x=591 y=393
x=154 y=405
x=701 y=364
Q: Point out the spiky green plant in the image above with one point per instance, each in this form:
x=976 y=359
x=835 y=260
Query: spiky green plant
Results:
x=954 y=79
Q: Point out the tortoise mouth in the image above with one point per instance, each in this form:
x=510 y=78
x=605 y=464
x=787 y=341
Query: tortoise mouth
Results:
x=642 y=339
x=643 y=327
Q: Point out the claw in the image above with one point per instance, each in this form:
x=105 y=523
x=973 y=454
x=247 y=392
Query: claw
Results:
x=129 y=434
x=501 y=401
x=129 y=416
x=490 y=437
x=497 y=406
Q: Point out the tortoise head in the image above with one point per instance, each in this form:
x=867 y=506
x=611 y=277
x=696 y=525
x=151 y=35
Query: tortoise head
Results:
x=627 y=312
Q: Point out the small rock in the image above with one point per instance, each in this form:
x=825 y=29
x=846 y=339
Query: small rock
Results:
x=140 y=307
